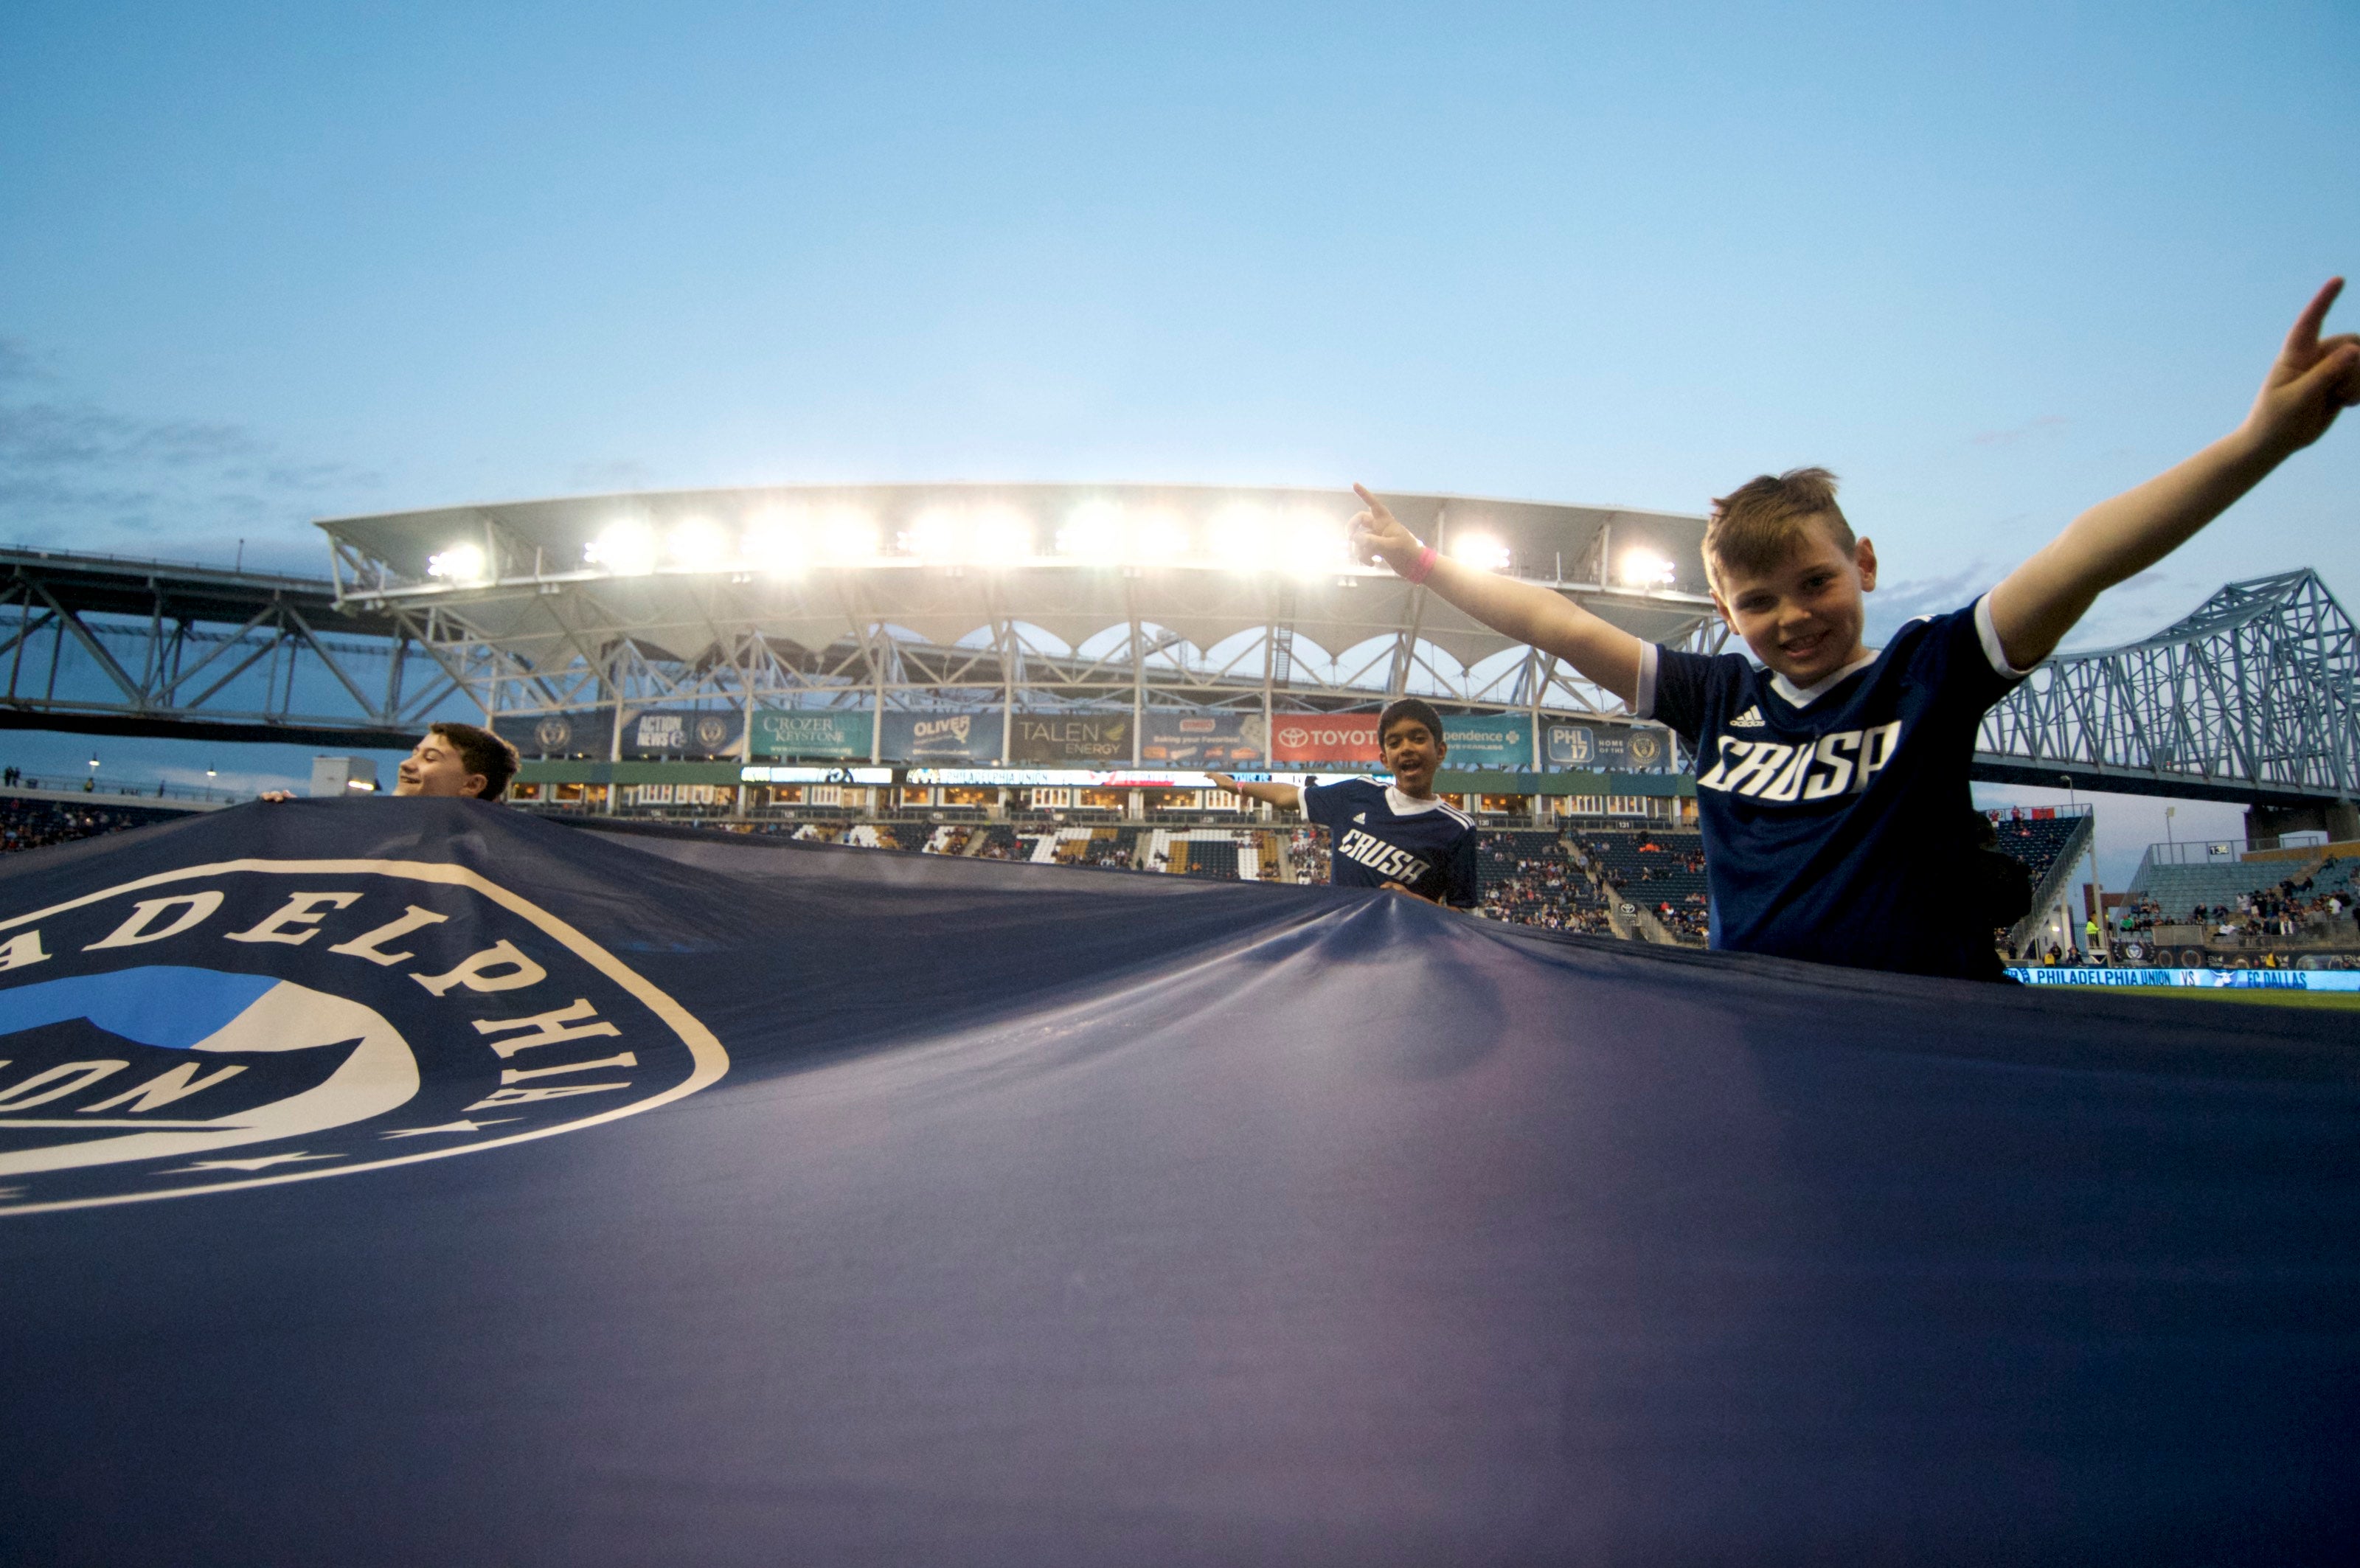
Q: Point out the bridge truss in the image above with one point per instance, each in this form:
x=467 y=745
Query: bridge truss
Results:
x=97 y=644
x=2253 y=697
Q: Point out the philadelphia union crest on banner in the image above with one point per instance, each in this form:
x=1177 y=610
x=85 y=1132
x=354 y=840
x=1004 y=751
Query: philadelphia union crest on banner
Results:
x=258 y=1021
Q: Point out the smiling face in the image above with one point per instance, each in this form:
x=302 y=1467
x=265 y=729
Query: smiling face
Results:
x=1802 y=617
x=434 y=767
x=1412 y=754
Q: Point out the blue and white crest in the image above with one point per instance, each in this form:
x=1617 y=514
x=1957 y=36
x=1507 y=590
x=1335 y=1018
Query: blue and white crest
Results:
x=257 y=1021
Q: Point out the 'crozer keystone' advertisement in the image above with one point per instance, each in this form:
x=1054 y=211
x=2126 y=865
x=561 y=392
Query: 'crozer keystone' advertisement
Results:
x=261 y=1021
x=784 y=733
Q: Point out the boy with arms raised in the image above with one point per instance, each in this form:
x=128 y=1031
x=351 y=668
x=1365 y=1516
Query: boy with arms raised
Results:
x=1831 y=783
x=1398 y=836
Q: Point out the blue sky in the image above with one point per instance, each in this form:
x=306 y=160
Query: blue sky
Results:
x=1990 y=264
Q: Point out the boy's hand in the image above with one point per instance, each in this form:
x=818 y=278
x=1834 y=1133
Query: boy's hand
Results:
x=1377 y=535
x=2314 y=379
x=1227 y=781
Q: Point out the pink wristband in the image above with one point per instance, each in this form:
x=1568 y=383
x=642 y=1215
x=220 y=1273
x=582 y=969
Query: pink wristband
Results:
x=1421 y=568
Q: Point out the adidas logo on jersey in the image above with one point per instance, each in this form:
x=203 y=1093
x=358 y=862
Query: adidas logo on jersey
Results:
x=1750 y=719
x=1361 y=818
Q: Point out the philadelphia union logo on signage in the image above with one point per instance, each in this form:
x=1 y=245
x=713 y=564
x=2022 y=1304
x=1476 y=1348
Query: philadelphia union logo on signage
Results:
x=262 y=1021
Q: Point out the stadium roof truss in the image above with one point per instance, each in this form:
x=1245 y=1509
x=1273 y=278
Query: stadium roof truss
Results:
x=2254 y=696
x=959 y=597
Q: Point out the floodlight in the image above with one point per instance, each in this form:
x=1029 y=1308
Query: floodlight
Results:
x=999 y=535
x=938 y=533
x=847 y=533
x=1094 y=532
x=1309 y=543
x=460 y=563
x=1481 y=551
x=1238 y=537
x=1159 y=534
x=1645 y=569
x=699 y=545
x=626 y=549
x=778 y=539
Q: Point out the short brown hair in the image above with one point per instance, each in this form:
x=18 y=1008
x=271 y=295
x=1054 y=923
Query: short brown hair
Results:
x=483 y=752
x=1753 y=526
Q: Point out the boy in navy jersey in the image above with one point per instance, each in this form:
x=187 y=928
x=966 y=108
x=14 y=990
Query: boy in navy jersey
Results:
x=1398 y=836
x=1832 y=782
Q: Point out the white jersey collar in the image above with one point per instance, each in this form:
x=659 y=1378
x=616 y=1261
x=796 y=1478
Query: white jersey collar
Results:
x=1400 y=805
x=1803 y=697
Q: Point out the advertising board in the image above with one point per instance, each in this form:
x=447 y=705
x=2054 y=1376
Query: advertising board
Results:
x=1489 y=739
x=790 y=732
x=1103 y=739
x=923 y=737
x=1323 y=737
x=1205 y=739
x=684 y=732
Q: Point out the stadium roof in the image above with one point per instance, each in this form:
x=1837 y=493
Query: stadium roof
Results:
x=686 y=573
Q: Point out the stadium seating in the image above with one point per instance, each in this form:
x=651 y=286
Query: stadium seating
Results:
x=2037 y=842
x=2241 y=904
x=1526 y=878
x=1661 y=869
x=28 y=824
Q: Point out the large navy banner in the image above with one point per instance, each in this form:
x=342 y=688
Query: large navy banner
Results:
x=406 y=1181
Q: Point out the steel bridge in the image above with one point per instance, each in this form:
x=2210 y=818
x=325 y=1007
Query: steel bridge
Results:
x=2254 y=698
x=104 y=645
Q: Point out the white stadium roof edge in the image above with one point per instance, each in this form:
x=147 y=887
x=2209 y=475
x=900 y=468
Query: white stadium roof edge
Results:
x=721 y=593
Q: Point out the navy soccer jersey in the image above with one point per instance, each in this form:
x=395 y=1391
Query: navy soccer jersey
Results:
x=1835 y=819
x=1379 y=835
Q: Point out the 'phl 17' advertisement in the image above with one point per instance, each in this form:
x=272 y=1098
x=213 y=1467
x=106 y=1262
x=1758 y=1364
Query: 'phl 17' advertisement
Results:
x=1608 y=749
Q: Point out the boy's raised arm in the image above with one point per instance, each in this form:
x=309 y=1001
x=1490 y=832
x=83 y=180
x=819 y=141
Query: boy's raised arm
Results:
x=1287 y=797
x=1602 y=652
x=2314 y=380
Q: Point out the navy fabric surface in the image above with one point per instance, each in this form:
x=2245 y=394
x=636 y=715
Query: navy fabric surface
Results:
x=1047 y=1215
